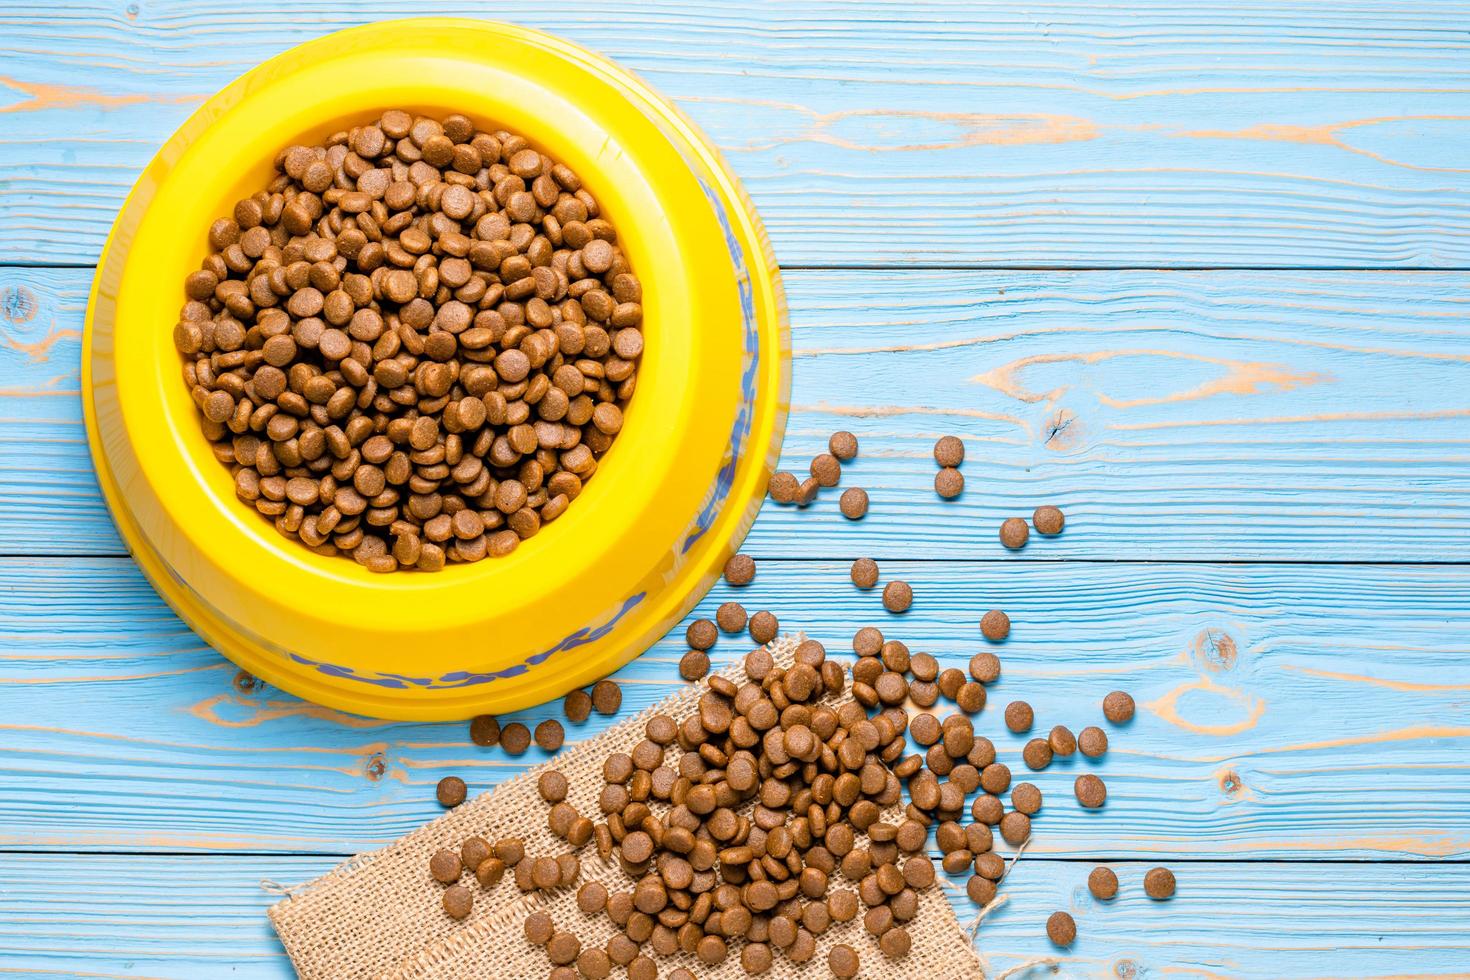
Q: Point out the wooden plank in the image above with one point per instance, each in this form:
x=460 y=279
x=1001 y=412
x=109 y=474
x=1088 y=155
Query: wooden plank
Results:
x=186 y=917
x=1174 y=415
x=1054 y=134
x=1286 y=711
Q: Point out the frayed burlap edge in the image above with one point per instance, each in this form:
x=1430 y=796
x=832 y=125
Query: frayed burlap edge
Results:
x=377 y=916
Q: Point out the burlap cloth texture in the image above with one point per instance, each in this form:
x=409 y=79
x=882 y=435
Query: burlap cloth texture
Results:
x=378 y=916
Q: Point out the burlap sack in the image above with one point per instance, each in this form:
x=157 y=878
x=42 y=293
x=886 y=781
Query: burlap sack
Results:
x=378 y=916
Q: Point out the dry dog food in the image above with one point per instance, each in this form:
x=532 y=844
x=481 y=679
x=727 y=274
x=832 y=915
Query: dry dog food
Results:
x=414 y=344
x=740 y=570
x=995 y=625
x=1013 y=533
x=1158 y=883
x=865 y=573
x=1048 y=520
x=1118 y=707
x=843 y=445
x=1061 y=929
x=1103 y=884
x=853 y=503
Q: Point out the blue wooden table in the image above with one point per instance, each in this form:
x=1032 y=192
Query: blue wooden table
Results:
x=1196 y=272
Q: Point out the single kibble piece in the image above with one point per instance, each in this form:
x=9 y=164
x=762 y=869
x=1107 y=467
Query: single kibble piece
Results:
x=970 y=697
x=897 y=596
x=985 y=668
x=563 y=947
x=1026 y=798
x=607 y=697
x=1019 y=717
x=1061 y=929
x=865 y=573
x=1091 y=792
x=550 y=735
x=783 y=487
x=995 y=625
x=807 y=491
x=853 y=503
x=694 y=665
x=1037 y=754
x=826 y=470
x=485 y=730
x=592 y=897
x=458 y=901
x=474 y=852
x=577 y=706
x=740 y=570
x=1093 y=741
x=701 y=634
x=843 y=961
x=730 y=617
x=1013 y=533
x=949 y=451
x=1103 y=884
x=843 y=445
x=1015 y=827
x=1048 y=520
x=450 y=791
x=515 y=738
x=414 y=344
x=552 y=785
x=1159 y=883
x=446 y=866
x=1118 y=707
x=895 y=943
x=949 y=483
x=764 y=627
x=538 y=928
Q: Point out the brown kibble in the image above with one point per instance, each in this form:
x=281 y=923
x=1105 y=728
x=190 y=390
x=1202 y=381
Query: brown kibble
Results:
x=1048 y=520
x=694 y=665
x=1013 y=533
x=865 y=573
x=755 y=958
x=1026 y=798
x=552 y=786
x=985 y=668
x=1015 y=827
x=949 y=451
x=1090 y=790
x=842 y=960
x=485 y=730
x=458 y=901
x=592 y=897
x=550 y=735
x=1118 y=707
x=895 y=943
x=1019 y=717
x=515 y=738
x=563 y=947
x=949 y=483
x=843 y=445
x=783 y=487
x=764 y=627
x=897 y=596
x=806 y=492
x=730 y=617
x=701 y=634
x=607 y=697
x=446 y=866
x=970 y=697
x=1093 y=741
x=853 y=503
x=538 y=928
x=1159 y=883
x=995 y=778
x=450 y=791
x=980 y=890
x=490 y=871
x=1061 y=929
x=1103 y=884
x=1037 y=754
x=740 y=570
x=577 y=706
x=826 y=470
x=995 y=625
x=1062 y=741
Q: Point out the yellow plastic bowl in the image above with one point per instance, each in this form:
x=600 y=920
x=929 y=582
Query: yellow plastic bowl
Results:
x=648 y=536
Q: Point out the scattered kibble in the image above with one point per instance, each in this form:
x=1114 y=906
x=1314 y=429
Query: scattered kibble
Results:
x=1093 y=741
x=458 y=901
x=538 y=928
x=1090 y=791
x=552 y=786
x=694 y=665
x=853 y=503
x=949 y=451
x=1019 y=717
x=949 y=483
x=515 y=738
x=985 y=667
x=843 y=961
x=865 y=573
x=740 y=570
x=474 y=852
x=550 y=735
x=730 y=617
x=1103 y=884
x=485 y=730
x=783 y=487
x=445 y=866
x=897 y=596
x=1062 y=741
x=764 y=627
x=1037 y=754
x=826 y=470
x=1118 y=707
x=607 y=697
x=577 y=706
x=843 y=445
x=701 y=634
x=807 y=492
x=450 y=791
x=1026 y=798
x=1048 y=520
x=1159 y=883
x=1061 y=929
x=1013 y=533
x=995 y=625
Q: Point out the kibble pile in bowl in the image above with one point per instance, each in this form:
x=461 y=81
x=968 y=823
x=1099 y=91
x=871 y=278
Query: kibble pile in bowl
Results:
x=414 y=344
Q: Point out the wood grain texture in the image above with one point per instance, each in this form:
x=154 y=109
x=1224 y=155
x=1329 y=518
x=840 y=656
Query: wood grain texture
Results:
x=1285 y=711
x=189 y=917
x=1053 y=134
x=1173 y=415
